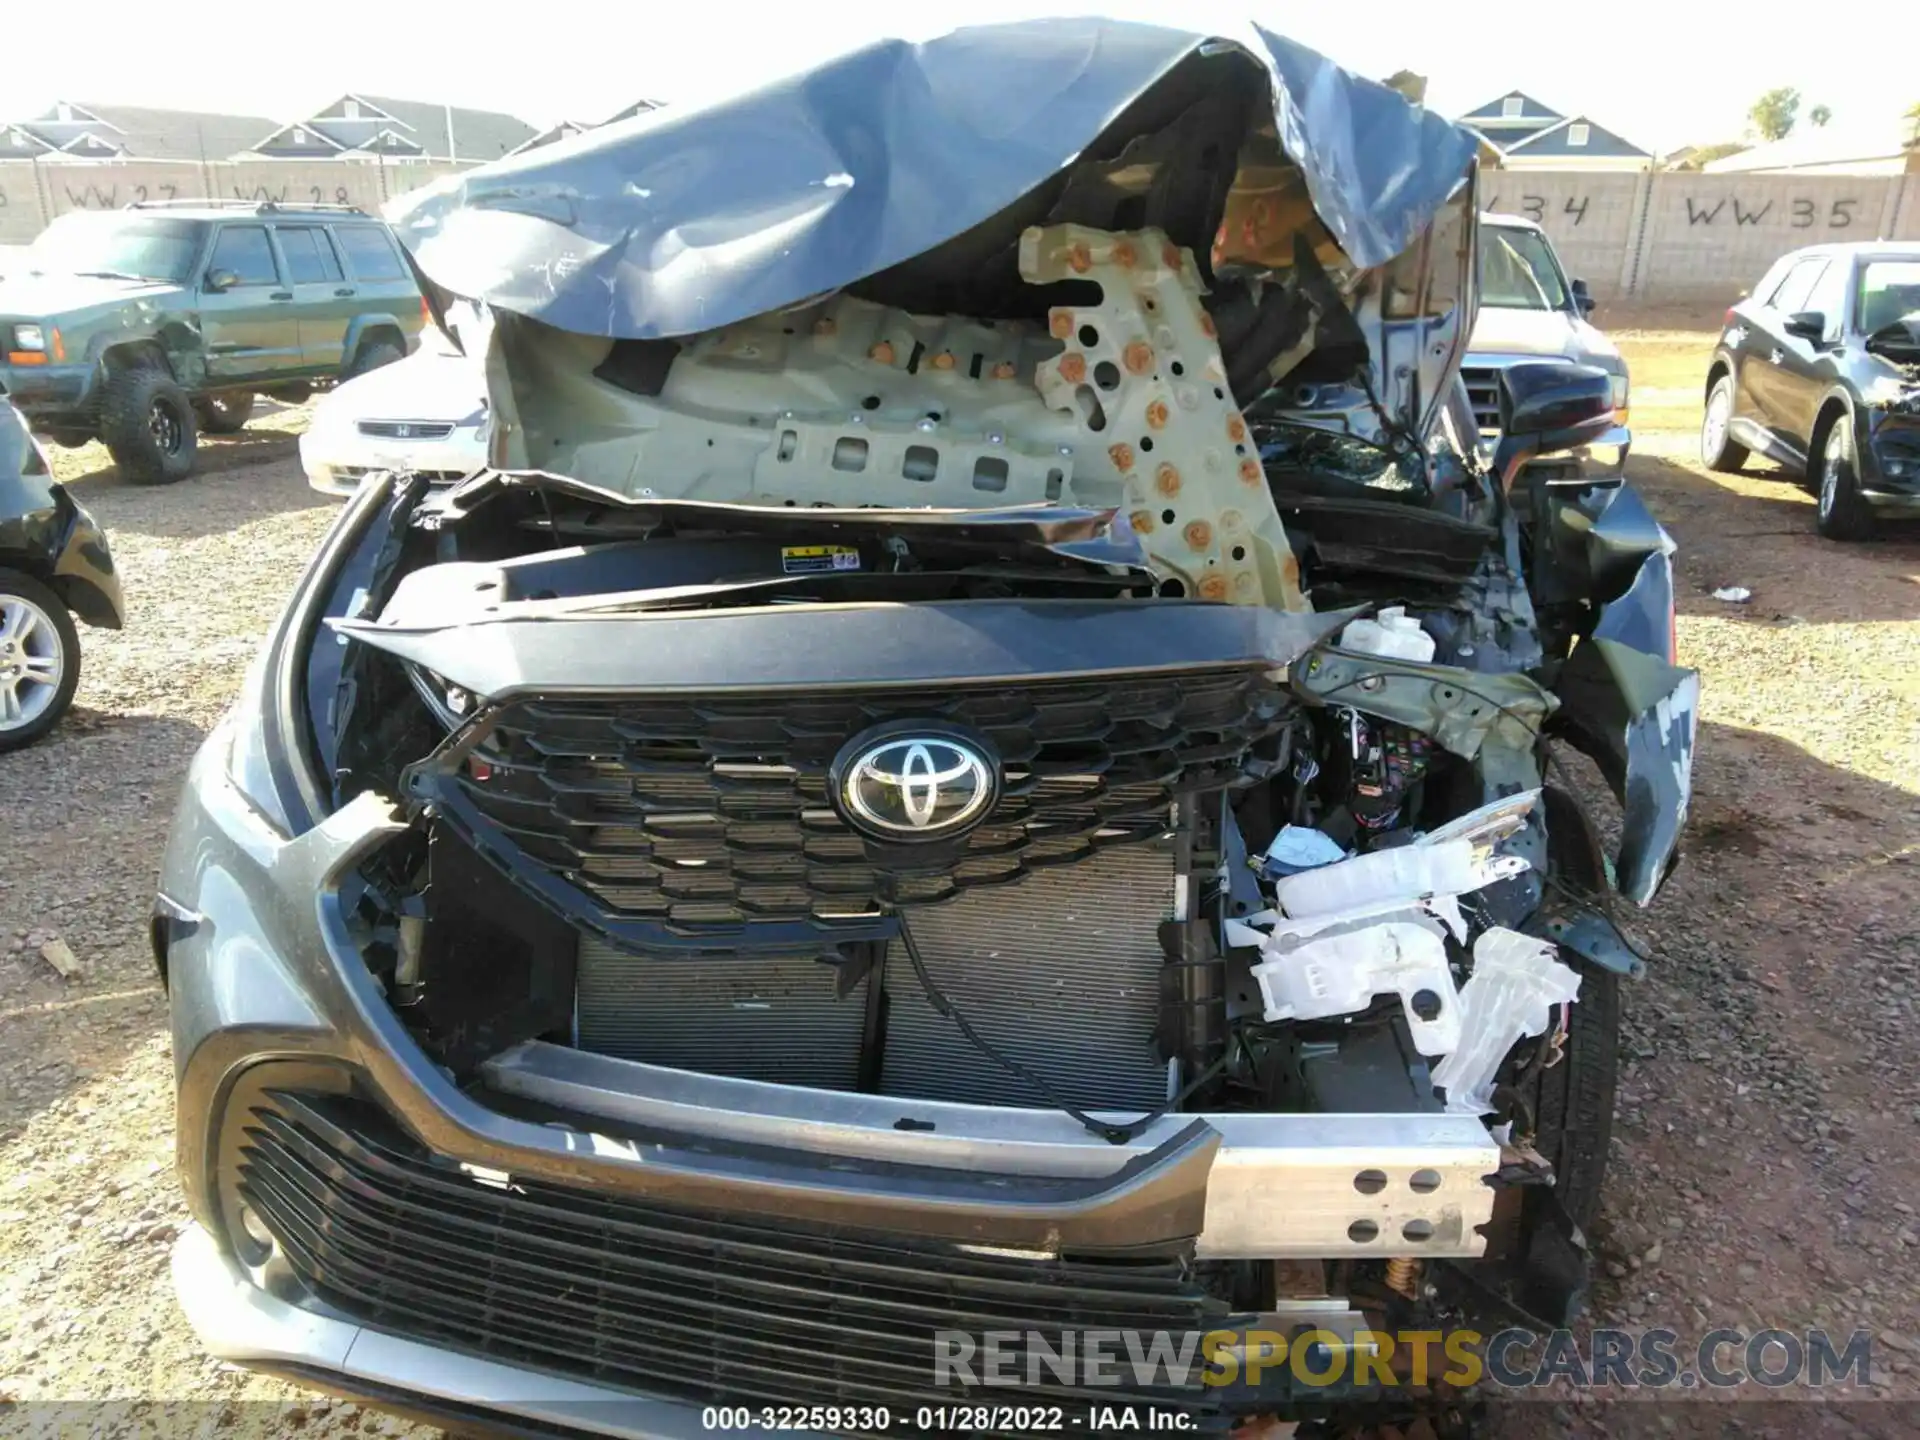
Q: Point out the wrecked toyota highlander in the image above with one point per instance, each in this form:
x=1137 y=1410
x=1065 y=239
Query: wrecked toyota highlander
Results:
x=985 y=757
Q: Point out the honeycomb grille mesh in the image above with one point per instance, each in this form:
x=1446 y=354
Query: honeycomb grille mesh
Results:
x=711 y=813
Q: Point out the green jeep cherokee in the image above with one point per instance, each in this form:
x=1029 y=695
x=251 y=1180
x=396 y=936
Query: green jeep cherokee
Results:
x=141 y=327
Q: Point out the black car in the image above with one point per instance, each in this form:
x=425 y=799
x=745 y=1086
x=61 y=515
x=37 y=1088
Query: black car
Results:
x=54 y=565
x=1820 y=369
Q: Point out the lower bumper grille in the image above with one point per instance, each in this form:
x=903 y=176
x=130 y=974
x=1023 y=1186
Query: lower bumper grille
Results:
x=646 y=1298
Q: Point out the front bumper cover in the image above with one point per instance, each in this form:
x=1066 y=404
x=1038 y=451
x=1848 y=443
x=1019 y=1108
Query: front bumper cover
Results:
x=237 y=1320
x=261 y=968
x=265 y=969
x=51 y=396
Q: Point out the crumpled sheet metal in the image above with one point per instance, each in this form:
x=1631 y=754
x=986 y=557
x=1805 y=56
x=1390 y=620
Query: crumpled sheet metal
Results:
x=688 y=219
x=1602 y=538
x=1637 y=716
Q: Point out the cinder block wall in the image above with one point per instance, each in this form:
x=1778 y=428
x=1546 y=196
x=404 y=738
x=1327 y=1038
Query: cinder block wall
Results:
x=1592 y=219
x=1633 y=238
x=31 y=195
x=1715 y=235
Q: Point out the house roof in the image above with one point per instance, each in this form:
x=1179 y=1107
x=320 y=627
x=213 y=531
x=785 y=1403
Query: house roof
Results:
x=567 y=129
x=1698 y=157
x=477 y=134
x=1556 y=139
x=18 y=140
x=380 y=124
x=564 y=130
x=145 y=133
x=1822 y=145
x=639 y=107
x=1532 y=112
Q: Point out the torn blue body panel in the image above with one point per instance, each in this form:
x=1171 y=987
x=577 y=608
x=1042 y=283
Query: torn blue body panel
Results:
x=682 y=221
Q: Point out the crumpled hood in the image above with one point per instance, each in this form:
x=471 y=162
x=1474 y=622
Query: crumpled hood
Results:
x=1548 y=333
x=48 y=297
x=683 y=221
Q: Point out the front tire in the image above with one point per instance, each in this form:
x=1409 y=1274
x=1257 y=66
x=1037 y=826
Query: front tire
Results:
x=147 y=422
x=225 y=414
x=1844 y=514
x=1718 y=450
x=39 y=660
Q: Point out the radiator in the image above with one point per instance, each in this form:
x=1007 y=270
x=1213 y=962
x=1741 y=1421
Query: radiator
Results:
x=758 y=1019
x=1059 y=971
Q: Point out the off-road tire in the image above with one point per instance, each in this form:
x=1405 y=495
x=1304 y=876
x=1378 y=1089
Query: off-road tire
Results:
x=1718 y=449
x=1842 y=513
x=226 y=413
x=371 y=355
x=131 y=406
x=13 y=583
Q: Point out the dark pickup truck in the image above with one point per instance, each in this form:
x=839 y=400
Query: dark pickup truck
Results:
x=143 y=327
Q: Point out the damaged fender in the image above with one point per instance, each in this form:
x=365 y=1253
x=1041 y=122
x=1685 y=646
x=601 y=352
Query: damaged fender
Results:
x=1623 y=700
x=1636 y=715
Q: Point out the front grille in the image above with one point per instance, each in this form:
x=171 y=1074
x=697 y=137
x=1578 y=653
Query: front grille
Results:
x=406 y=429
x=698 y=813
x=647 y=1298
x=360 y=472
x=1483 y=393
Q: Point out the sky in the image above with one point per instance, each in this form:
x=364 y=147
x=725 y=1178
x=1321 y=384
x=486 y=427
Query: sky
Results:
x=1664 y=73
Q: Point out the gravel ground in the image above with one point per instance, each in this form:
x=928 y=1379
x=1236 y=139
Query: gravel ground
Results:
x=1768 y=1150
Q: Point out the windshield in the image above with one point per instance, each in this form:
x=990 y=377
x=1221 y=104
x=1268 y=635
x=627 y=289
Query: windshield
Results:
x=1889 y=291
x=140 y=247
x=1518 y=271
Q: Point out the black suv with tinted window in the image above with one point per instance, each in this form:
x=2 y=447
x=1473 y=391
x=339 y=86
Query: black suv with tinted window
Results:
x=142 y=327
x=1819 y=369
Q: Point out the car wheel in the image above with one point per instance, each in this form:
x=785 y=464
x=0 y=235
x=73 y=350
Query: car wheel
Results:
x=148 y=424
x=225 y=414
x=372 y=355
x=1718 y=450
x=39 y=660
x=1844 y=515
x=1573 y=1102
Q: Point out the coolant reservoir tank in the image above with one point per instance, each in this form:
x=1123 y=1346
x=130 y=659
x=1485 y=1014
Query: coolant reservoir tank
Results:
x=1392 y=633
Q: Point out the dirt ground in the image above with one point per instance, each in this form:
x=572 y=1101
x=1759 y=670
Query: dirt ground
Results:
x=1767 y=1156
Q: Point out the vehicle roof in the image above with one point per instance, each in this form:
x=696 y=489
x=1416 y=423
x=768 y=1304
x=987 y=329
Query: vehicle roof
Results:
x=1872 y=249
x=213 y=210
x=1509 y=222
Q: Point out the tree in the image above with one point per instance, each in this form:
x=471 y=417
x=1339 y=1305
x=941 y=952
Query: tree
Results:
x=1819 y=115
x=1913 y=124
x=1773 y=113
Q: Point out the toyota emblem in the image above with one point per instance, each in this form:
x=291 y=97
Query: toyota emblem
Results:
x=912 y=783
